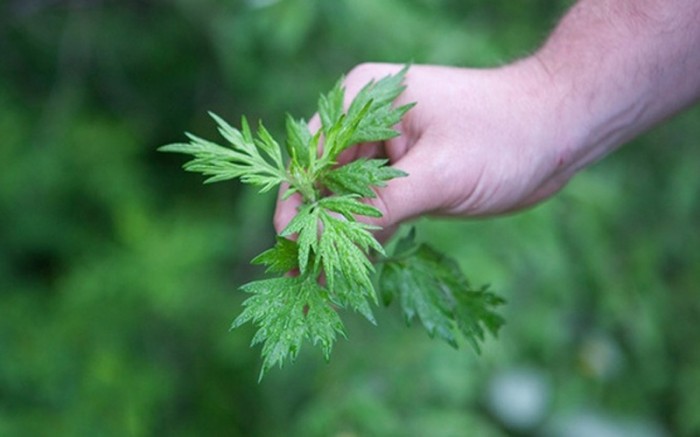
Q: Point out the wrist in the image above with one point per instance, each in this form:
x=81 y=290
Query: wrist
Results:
x=613 y=72
x=591 y=112
x=554 y=118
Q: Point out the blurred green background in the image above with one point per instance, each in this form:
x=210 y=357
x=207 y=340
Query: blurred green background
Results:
x=118 y=271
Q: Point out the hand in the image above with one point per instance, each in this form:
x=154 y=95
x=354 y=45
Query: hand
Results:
x=477 y=143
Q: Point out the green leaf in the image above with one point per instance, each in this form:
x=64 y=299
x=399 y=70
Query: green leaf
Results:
x=372 y=107
x=347 y=205
x=305 y=224
x=353 y=295
x=330 y=107
x=357 y=232
x=474 y=312
x=431 y=287
x=242 y=160
x=282 y=258
x=358 y=177
x=343 y=253
x=370 y=117
x=264 y=142
x=288 y=311
x=300 y=144
x=199 y=146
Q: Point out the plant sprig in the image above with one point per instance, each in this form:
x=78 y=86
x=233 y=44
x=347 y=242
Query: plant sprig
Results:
x=326 y=240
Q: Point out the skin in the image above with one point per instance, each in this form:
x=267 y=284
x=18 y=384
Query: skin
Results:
x=485 y=142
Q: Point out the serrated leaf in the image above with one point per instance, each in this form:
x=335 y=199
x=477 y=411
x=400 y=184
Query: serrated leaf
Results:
x=474 y=312
x=300 y=144
x=370 y=117
x=330 y=106
x=305 y=225
x=358 y=177
x=353 y=295
x=199 y=146
x=283 y=257
x=419 y=296
x=267 y=143
x=378 y=120
x=431 y=287
x=347 y=205
x=288 y=311
x=343 y=253
x=357 y=232
x=242 y=160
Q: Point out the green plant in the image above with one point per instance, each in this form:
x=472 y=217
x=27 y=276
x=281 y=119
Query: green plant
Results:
x=329 y=250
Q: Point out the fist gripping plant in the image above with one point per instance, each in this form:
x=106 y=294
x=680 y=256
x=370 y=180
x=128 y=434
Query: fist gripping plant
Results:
x=325 y=239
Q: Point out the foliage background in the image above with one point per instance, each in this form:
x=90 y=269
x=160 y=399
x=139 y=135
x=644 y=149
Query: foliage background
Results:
x=118 y=271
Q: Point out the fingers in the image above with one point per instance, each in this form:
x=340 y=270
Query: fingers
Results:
x=314 y=124
x=286 y=209
x=421 y=192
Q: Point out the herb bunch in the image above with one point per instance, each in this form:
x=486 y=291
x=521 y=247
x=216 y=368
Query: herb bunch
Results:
x=327 y=247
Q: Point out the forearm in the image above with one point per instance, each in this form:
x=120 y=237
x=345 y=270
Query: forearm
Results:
x=614 y=68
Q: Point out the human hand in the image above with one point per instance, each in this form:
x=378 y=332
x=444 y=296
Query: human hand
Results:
x=477 y=143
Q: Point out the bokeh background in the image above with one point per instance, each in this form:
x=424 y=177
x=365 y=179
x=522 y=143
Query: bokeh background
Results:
x=119 y=272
